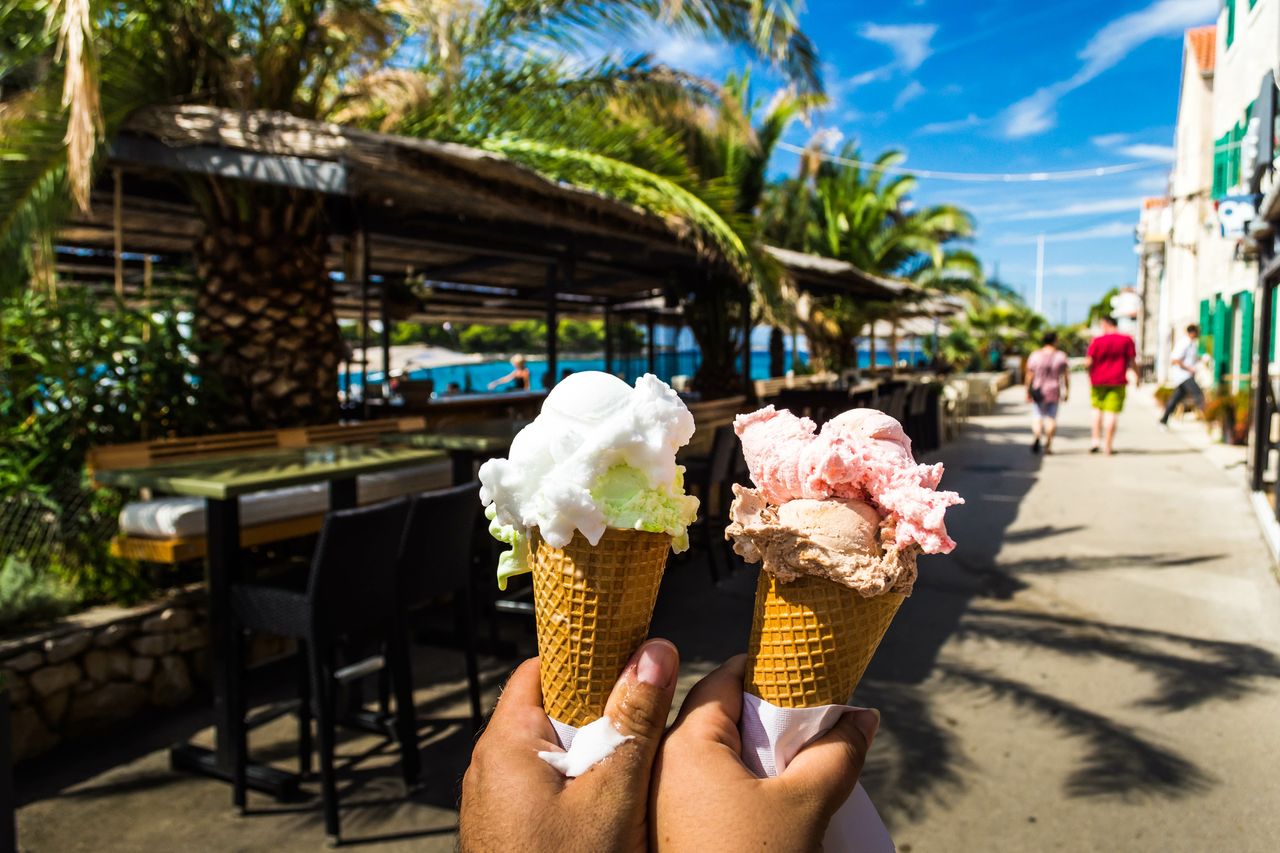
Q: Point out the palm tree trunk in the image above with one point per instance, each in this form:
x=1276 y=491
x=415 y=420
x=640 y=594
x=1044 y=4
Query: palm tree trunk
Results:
x=777 y=352
x=713 y=315
x=893 y=342
x=265 y=309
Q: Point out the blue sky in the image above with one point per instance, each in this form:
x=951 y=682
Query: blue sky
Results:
x=1007 y=86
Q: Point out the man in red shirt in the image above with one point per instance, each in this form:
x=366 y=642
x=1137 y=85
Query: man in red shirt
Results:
x=1110 y=360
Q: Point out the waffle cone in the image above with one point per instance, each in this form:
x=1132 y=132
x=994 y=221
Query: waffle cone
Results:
x=811 y=640
x=592 y=604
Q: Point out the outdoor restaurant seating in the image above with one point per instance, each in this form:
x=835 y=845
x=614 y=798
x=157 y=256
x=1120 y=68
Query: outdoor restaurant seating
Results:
x=172 y=529
x=436 y=561
x=351 y=597
x=709 y=478
x=891 y=398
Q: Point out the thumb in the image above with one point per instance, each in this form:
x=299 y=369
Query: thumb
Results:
x=823 y=774
x=642 y=697
x=638 y=708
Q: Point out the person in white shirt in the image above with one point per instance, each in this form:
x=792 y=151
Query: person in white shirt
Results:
x=1182 y=373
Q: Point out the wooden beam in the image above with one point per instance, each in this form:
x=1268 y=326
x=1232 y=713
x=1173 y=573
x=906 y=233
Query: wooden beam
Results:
x=480 y=263
x=303 y=173
x=117 y=227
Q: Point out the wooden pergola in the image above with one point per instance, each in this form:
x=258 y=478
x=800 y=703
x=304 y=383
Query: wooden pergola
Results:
x=421 y=230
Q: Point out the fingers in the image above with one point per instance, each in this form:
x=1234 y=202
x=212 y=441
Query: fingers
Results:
x=821 y=777
x=508 y=749
x=519 y=715
x=719 y=692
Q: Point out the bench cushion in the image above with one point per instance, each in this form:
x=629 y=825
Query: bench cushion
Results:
x=183 y=517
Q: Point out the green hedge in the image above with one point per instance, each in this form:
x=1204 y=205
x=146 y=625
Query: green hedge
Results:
x=77 y=371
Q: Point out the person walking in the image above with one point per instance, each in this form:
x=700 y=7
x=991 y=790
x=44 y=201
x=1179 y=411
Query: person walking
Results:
x=1110 y=359
x=1047 y=385
x=1182 y=374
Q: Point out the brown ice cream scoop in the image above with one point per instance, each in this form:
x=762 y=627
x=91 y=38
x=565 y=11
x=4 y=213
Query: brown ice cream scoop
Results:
x=845 y=541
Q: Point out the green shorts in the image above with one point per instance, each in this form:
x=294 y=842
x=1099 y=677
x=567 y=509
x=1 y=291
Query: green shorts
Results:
x=1108 y=398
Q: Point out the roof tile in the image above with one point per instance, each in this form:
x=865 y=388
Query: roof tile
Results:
x=1203 y=41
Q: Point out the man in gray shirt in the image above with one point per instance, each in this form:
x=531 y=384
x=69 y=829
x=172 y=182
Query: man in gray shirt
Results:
x=1182 y=374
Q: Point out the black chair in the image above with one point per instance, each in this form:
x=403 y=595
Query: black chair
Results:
x=436 y=561
x=916 y=423
x=351 y=599
x=710 y=478
x=891 y=398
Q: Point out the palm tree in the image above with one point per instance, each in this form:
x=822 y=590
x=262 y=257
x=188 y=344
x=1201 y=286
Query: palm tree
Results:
x=841 y=210
x=728 y=144
x=433 y=67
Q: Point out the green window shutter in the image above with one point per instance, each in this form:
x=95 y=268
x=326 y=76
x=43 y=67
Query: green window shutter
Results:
x=1231 y=21
x=1275 y=303
x=1246 y=334
x=1205 y=328
x=1221 y=338
x=1221 y=159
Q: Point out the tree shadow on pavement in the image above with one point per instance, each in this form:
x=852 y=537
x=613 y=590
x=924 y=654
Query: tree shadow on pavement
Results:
x=1188 y=670
x=1119 y=760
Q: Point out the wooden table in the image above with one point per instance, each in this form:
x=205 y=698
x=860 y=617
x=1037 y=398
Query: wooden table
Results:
x=221 y=482
x=466 y=444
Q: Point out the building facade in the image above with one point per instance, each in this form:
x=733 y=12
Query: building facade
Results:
x=1209 y=264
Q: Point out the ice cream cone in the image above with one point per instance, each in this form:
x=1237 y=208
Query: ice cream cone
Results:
x=593 y=604
x=811 y=640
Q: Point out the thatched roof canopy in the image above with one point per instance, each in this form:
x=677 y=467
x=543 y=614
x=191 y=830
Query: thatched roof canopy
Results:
x=484 y=232
x=821 y=276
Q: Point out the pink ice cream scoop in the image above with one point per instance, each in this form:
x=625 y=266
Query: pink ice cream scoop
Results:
x=862 y=455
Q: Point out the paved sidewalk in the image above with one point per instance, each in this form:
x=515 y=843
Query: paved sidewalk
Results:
x=1097 y=667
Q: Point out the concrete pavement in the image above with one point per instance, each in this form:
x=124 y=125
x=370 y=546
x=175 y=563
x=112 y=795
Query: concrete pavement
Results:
x=1096 y=667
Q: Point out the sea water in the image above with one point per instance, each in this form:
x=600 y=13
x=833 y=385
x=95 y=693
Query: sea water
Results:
x=476 y=376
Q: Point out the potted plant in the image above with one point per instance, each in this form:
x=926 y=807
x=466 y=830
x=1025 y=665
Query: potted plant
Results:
x=1231 y=413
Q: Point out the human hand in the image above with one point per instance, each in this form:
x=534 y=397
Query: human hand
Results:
x=512 y=799
x=705 y=798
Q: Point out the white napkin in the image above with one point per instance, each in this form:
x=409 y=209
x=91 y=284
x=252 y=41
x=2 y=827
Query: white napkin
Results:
x=772 y=736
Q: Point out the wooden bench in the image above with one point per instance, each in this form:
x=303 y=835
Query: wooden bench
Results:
x=177 y=549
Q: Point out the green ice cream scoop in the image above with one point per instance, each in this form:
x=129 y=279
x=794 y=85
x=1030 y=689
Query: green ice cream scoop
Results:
x=627 y=501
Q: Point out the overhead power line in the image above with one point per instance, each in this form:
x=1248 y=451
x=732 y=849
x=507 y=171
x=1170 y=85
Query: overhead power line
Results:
x=983 y=177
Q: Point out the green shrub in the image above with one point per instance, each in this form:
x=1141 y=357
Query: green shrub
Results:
x=75 y=372
x=28 y=594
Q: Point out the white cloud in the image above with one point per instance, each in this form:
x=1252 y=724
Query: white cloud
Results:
x=865 y=77
x=1120 y=143
x=1065 y=270
x=1109 y=140
x=913 y=90
x=909 y=42
x=935 y=127
x=1034 y=114
x=1081 y=270
x=1109 y=46
x=1147 y=151
x=1084 y=208
x=689 y=53
x=1110 y=229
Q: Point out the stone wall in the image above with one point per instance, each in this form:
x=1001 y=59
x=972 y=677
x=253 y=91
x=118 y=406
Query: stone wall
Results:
x=101 y=667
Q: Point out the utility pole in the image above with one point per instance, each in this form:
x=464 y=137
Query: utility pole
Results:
x=1040 y=274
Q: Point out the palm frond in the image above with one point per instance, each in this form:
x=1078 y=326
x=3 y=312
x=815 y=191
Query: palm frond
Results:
x=80 y=96
x=683 y=209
